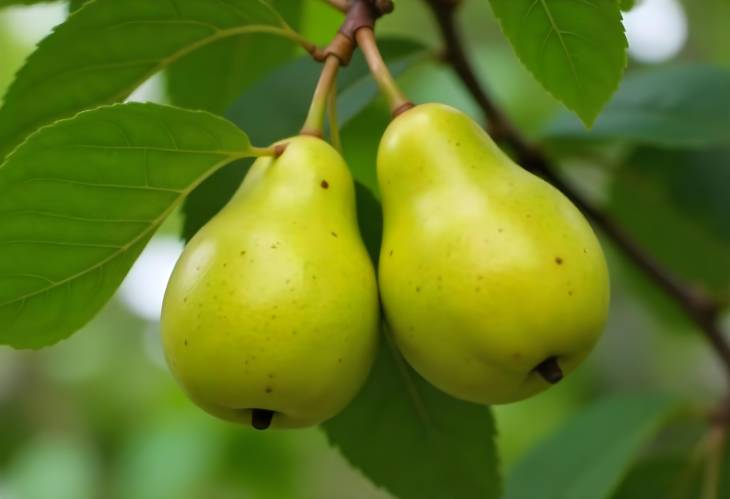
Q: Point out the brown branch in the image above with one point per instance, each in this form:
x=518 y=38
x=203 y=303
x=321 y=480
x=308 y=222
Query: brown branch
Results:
x=702 y=309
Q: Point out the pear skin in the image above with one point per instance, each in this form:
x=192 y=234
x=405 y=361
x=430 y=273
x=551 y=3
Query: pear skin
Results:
x=493 y=284
x=271 y=316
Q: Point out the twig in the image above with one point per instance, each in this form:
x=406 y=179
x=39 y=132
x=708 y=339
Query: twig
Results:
x=702 y=309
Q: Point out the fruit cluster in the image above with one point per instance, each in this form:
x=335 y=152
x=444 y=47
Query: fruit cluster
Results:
x=492 y=283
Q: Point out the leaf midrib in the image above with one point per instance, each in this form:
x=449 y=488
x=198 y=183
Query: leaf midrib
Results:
x=559 y=34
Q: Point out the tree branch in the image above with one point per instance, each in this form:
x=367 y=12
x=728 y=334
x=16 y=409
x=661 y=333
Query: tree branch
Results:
x=700 y=308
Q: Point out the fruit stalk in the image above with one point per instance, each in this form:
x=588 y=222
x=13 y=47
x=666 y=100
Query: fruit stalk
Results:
x=314 y=123
x=335 y=138
x=396 y=99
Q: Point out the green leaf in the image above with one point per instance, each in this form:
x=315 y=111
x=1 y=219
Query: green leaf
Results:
x=575 y=49
x=627 y=5
x=275 y=108
x=74 y=5
x=589 y=455
x=675 y=106
x=667 y=477
x=107 y=49
x=724 y=472
x=415 y=441
x=676 y=205
x=80 y=199
x=211 y=78
x=10 y=3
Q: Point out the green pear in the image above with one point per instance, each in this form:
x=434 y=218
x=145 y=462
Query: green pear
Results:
x=493 y=283
x=271 y=316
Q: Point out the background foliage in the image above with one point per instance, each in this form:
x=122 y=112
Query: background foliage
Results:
x=99 y=416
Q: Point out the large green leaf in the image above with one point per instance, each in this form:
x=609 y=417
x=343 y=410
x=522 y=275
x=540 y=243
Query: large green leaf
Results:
x=676 y=204
x=666 y=477
x=575 y=49
x=674 y=106
x=589 y=455
x=212 y=77
x=415 y=441
x=74 y=5
x=80 y=199
x=107 y=49
x=276 y=107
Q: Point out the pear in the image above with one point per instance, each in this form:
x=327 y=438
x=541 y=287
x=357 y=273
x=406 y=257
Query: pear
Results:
x=493 y=284
x=271 y=316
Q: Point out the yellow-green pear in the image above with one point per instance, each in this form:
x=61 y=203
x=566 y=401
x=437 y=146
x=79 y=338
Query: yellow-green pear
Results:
x=493 y=283
x=271 y=315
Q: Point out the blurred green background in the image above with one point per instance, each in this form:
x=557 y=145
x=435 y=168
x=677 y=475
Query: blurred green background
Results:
x=99 y=416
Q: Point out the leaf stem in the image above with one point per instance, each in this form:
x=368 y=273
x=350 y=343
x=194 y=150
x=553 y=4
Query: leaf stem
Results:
x=260 y=152
x=396 y=99
x=303 y=42
x=314 y=123
x=702 y=309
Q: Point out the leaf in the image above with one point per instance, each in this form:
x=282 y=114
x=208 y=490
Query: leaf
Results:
x=414 y=440
x=676 y=205
x=666 y=477
x=674 y=106
x=74 y=5
x=275 y=108
x=575 y=49
x=10 y=3
x=627 y=5
x=212 y=77
x=589 y=455
x=107 y=49
x=724 y=472
x=80 y=199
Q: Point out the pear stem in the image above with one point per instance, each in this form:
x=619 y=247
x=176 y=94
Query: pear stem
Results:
x=366 y=41
x=314 y=123
x=332 y=118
